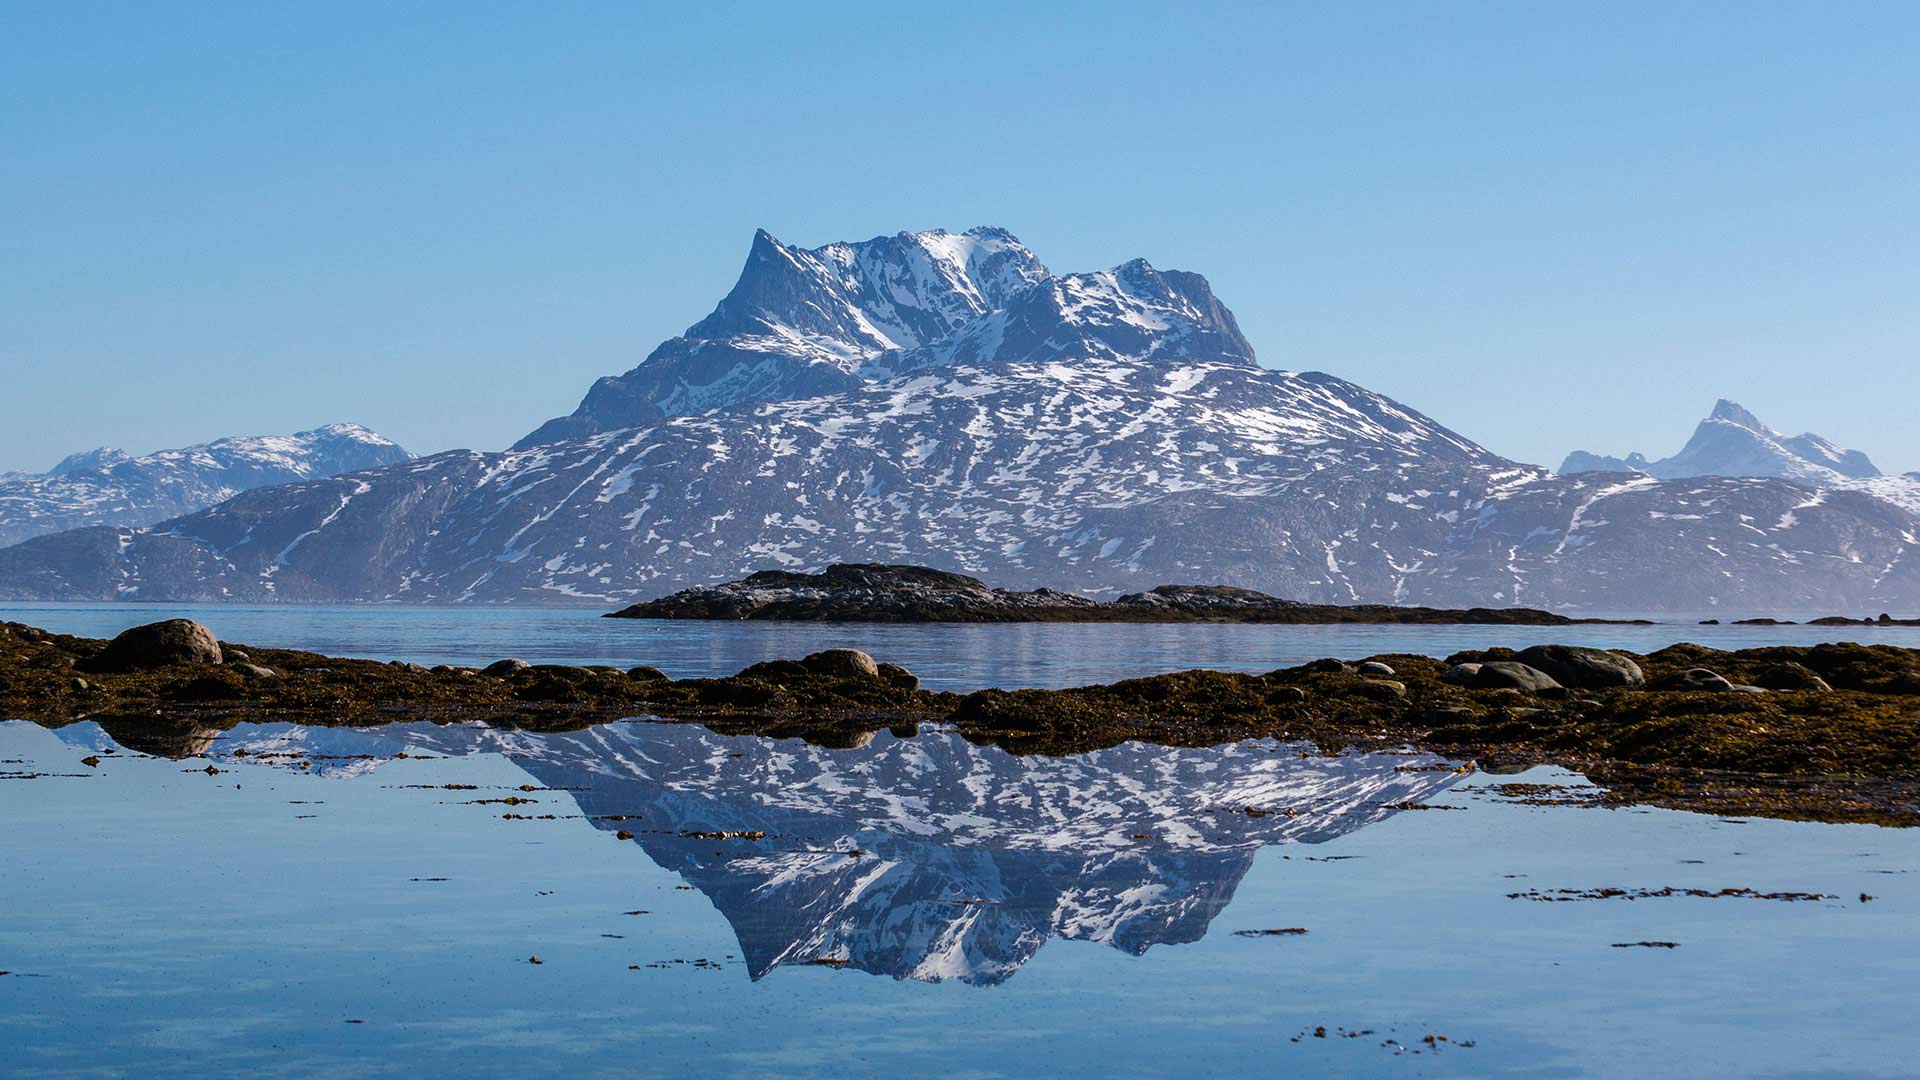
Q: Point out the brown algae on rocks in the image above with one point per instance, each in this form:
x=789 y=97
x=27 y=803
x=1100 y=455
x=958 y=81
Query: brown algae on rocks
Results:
x=1827 y=732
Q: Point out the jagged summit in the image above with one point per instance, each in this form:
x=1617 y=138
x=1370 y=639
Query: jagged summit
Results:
x=1732 y=441
x=801 y=322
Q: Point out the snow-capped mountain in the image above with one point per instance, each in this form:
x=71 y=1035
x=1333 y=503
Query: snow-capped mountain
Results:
x=1091 y=475
x=943 y=400
x=801 y=322
x=923 y=858
x=109 y=487
x=1733 y=442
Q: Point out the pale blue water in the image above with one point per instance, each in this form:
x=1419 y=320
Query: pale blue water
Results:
x=998 y=916
x=946 y=656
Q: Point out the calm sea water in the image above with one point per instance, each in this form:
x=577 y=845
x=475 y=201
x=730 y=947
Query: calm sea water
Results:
x=327 y=902
x=946 y=656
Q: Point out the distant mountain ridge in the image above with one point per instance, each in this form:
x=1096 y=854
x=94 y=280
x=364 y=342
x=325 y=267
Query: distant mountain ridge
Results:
x=1733 y=442
x=109 y=487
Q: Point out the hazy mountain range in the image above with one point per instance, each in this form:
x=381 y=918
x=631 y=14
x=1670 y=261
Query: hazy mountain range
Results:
x=109 y=487
x=945 y=399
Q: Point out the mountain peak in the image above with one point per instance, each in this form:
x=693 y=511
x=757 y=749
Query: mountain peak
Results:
x=102 y=457
x=1732 y=441
x=1732 y=413
x=801 y=322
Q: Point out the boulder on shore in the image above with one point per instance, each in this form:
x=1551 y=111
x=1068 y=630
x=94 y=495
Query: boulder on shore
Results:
x=158 y=645
x=845 y=663
x=1583 y=668
x=1512 y=675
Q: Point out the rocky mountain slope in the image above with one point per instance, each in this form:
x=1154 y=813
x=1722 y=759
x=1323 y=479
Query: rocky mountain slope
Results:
x=943 y=400
x=924 y=858
x=108 y=487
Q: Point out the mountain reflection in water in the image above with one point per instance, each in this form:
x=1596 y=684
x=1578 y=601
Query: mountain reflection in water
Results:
x=925 y=857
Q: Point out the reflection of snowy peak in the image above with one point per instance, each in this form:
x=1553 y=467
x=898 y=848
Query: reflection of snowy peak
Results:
x=928 y=857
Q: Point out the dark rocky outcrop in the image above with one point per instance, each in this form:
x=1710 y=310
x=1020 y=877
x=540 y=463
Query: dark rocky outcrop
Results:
x=863 y=592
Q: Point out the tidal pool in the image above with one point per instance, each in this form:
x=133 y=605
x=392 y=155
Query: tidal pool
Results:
x=294 y=901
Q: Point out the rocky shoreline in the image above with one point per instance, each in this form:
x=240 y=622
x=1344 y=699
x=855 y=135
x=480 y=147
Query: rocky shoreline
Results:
x=871 y=592
x=1828 y=732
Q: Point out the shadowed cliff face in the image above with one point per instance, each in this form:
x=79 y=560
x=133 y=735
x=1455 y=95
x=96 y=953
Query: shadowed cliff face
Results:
x=922 y=858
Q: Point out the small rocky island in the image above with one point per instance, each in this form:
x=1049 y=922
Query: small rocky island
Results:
x=870 y=592
x=1825 y=732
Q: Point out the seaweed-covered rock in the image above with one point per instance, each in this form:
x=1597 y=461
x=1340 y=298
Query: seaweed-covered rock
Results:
x=1326 y=665
x=843 y=663
x=1583 y=668
x=897 y=676
x=1790 y=676
x=1512 y=675
x=157 y=645
x=1381 y=689
x=1692 y=679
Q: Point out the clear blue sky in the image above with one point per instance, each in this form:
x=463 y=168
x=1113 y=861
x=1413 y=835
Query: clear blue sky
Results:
x=1547 y=225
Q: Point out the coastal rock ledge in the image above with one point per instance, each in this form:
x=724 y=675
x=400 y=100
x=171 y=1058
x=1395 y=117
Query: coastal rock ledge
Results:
x=872 y=592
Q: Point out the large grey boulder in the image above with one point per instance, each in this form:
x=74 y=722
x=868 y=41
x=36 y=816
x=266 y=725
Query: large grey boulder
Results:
x=1583 y=668
x=161 y=644
x=1512 y=675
